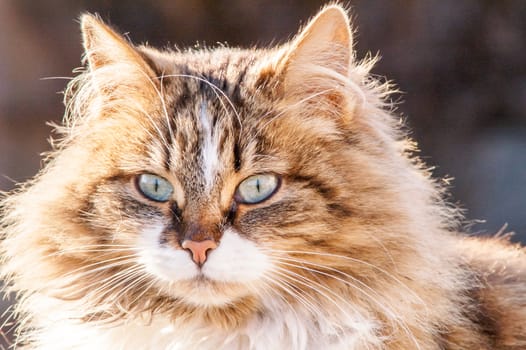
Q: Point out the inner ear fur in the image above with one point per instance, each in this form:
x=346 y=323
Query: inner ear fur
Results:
x=103 y=47
x=318 y=60
x=118 y=78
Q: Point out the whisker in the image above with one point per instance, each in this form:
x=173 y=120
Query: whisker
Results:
x=165 y=110
x=111 y=280
x=286 y=287
x=319 y=311
x=56 y=78
x=348 y=258
x=156 y=127
x=129 y=276
x=386 y=309
x=269 y=283
x=306 y=282
x=105 y=249
x=354 y=279
x=146 y=290
x=116 y=262
x=160 y=94
x=292 y=106
x=392 y=315
x=73 y=290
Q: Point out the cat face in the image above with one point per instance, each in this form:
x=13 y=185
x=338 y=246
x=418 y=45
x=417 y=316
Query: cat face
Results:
x=224 y=179
x=211 y=173
x=214 y=182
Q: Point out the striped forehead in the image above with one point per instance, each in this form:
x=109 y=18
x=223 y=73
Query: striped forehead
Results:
x=207 y=109
x=201 y=144
x=209 y=151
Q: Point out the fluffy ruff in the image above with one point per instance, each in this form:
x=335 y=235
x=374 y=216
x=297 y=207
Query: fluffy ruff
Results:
x=357 y=249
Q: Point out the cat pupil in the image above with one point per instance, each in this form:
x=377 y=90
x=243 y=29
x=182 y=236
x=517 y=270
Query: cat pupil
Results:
x=155 y=187
x=257 y=188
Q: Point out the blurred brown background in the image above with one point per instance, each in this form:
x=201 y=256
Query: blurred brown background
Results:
x=461 y=65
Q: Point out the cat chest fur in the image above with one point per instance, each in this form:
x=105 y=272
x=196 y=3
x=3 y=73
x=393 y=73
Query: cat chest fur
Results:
x=283 y=329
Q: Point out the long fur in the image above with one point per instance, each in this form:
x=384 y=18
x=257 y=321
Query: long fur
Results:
x=357 y=249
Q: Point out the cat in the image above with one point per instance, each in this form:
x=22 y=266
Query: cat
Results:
x=227 y=198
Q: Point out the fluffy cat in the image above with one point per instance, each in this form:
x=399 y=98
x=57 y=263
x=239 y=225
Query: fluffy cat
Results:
x=246 y=199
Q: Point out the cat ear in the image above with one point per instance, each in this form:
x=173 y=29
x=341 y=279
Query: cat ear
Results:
x=104 y=47
x=319 y=58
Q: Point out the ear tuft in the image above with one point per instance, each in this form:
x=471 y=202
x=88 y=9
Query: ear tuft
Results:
x=323 y=49
x=103 y=46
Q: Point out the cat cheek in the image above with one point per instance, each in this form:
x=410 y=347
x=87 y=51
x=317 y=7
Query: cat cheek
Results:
x=164 y=262
x=236 y=260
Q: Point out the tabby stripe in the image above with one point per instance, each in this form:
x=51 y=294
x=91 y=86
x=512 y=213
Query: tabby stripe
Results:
x=209 y=150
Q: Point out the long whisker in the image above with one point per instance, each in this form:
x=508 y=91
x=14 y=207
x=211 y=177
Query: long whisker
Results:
x=102 y=249
x=102 y=265
x=270 y=282
x=288 y=288
x=111 y=280
x=56 y=78
x=348 y=258
x=129 y=276
x=73 y=290
x=300 y=264
x=156 y=127
x=289 y=275
x=160 y=94
x=292 y=106
x=388 y=311
x=146 y=289
x=165 y=110
x=311 y=284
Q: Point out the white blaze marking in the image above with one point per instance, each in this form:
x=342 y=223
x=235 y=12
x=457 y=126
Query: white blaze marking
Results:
x=209 y=149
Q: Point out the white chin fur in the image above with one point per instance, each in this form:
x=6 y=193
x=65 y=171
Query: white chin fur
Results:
x=164 y=262
x=235 y=260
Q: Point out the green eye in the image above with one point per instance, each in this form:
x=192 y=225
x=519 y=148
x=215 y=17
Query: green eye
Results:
x=257 y=188
x=154 y=187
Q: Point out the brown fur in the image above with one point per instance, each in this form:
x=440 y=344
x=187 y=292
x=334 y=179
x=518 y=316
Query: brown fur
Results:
x=355 y=204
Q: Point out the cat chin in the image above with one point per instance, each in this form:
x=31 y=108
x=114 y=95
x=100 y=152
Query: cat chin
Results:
x=234 y=270
x=205 y=293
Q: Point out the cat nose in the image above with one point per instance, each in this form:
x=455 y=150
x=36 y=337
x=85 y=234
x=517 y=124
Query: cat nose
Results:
x=199 y=249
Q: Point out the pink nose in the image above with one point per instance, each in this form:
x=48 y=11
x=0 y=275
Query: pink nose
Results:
x=199 y=249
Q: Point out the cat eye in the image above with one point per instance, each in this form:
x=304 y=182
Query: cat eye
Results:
x=154 y=187
x=257 y=188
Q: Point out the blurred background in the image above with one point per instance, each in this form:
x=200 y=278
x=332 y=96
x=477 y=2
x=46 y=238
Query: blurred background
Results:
x=460 y=64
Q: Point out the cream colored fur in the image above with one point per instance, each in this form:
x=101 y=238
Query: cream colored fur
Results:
x=355 y=249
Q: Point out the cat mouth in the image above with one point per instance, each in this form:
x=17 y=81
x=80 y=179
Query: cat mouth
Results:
x=205 y=291
x=200 y=275
x=202 y=280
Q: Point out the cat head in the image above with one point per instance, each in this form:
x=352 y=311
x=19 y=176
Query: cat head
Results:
x=222 y=179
